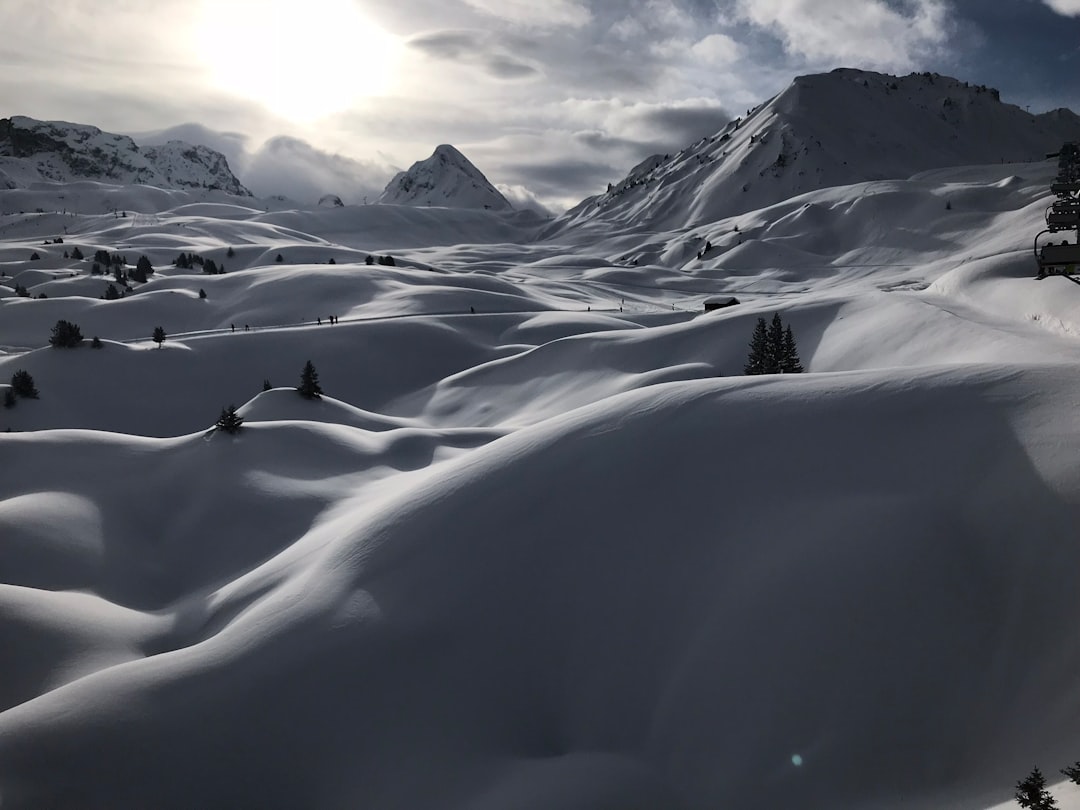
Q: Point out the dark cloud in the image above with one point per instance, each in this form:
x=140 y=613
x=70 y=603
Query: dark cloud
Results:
x=684 y=124
x=476 y=48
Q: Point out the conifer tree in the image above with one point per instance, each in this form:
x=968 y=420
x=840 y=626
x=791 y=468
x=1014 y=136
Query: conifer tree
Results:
x=202 y=293
x=758 y=360
x=1072 y=772
x=229 y=421
x=776 y=344
x=77 y=254
x=95 y=343
x=279 y=258
x=22 y=384
x=159 y=336
x=789 y=354
x=65 y=335
x=1032 y=794
x=309 y=382
x=230 y=252
x=267 y=386
x=111 y=293
x=9 y=398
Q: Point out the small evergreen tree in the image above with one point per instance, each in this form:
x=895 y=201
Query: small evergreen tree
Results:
x=789 y=354
x=76 y=254
x=210 y=267
x=34 y=256
x=369 y=260
x=1032 y=794
x=1072 y=772
x=23 y=385
x=95 y=269
x=758 y=360
x=111 y=293
x=65 y=335
x=202 y=293
x=159 y=336
x=279 y=259
x=309 y=382
x=21 y=291
x=95 y=343
x=266 y=385
x=9 y=398
x=230 y=252
x=139 y=275
x=776 y=344
x=229 y=421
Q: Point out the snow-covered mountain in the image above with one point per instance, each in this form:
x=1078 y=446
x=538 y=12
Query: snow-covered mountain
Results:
x=32 y=151
x=826 y=130
x=446 y=179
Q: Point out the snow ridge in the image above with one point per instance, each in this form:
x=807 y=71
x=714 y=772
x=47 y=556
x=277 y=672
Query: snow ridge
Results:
x=446 y=179
x=33 y=151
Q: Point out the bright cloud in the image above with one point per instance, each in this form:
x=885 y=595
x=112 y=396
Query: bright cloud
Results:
x=1069 y=8
x=856 y=33
x=550 y=13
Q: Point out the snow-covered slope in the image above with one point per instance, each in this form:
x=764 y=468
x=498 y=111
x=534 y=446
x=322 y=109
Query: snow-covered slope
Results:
x=32 y=151
x=540 y=544
x=826 y=130
x=447 y=179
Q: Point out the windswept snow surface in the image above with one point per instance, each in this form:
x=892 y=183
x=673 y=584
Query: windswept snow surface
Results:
x=540 y=544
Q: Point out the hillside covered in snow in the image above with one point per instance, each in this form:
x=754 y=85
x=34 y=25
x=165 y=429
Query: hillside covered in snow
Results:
x=826 y=130
x=540 y=542
x=33 y=151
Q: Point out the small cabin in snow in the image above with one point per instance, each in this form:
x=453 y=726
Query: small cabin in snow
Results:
x=720 y=303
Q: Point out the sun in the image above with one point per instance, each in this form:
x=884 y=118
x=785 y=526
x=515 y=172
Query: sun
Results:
x=301 y=59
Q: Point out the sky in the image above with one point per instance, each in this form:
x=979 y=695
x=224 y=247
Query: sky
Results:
x=551 y=99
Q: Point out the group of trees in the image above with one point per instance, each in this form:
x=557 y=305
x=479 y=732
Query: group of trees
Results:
x=773 y=349
x=1031 y=793
x=387 y=261
x=22 y=385
x=231 y=422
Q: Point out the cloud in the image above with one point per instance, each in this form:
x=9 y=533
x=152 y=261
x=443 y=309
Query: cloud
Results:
x=294 y=168
x=717 y=49
x=546 y=14
x=523 y=199
x=478 y=48
x=1067 y=8
x=855 y=33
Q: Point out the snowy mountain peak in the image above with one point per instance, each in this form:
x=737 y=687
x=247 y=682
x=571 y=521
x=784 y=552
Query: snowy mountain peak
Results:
x=825 y=130
x=33 y=151
x=447 y=179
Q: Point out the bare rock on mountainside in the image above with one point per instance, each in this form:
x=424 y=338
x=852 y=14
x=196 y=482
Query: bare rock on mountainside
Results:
x=32 y=151
x=825 y=130
x=446 y=179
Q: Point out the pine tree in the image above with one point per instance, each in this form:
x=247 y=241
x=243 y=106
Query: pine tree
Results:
x=95 y=343
x=1073 y=772
x=65 y=335
x=759 y=350
x=230 y=252
x=76 y=254
x=279 y=258
x=159 y=336
x=202 y=293
x=1032 y=793
x=9 y=398
x=267 y=386
x=229 y=421
x=23 y=385
x=789 y=354
x=309 y=382
x=776 y=345
x=111 y=293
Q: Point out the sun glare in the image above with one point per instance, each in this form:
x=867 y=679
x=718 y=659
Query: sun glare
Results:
x=301 y=59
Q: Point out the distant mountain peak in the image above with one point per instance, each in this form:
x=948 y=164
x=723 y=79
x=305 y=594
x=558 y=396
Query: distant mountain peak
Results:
x=825 y=130
x=447 y=179
x=60 y=151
